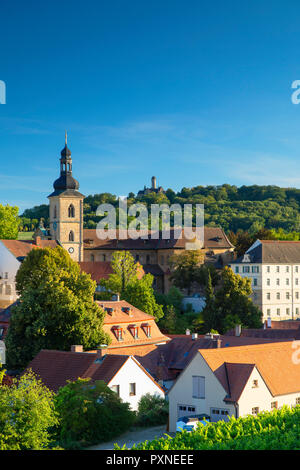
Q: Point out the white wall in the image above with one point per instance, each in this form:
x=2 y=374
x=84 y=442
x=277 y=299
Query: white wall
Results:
x=182 y=391
x=132 y=373
x=8 y=264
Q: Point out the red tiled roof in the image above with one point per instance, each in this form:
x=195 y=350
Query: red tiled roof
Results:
x=21 y=248
x=55 y=368
x=97 y=269
x=274 y=361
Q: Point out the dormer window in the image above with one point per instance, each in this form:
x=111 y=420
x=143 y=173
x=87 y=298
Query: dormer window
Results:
x=109 y=310
x=147 y=330
x=134 y=330
x=246 y=258
x=118 y=331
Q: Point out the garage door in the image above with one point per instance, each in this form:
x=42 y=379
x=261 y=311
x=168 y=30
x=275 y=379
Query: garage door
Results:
x=185 y=410
x=217 y=414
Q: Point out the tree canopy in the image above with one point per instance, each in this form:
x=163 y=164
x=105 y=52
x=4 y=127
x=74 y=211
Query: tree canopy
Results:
x=9 y=222
x=56 y=308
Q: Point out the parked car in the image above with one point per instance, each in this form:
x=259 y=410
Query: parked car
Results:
x=190 y=423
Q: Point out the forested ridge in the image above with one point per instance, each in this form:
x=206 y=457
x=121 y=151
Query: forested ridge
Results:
x=247 y=208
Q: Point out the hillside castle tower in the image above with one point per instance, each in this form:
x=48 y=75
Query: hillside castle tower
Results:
x=66 y=208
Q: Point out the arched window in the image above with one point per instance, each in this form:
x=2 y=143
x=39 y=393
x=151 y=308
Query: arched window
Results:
x=71 y=211
x=71 y=236
x=55 y=212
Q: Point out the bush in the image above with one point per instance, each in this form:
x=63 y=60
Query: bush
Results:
x=275 y=430
x=152 y=410
x=89 y=413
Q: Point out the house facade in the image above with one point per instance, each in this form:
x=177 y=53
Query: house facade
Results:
x=237 y=381
x=274 y=270
x=122 y=373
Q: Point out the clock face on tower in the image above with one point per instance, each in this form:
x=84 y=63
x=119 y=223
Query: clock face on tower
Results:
x=71 y=249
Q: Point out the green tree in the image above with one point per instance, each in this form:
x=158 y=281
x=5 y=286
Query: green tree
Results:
x=184 y=268
x=233 y=304
x=208 y=318
x=27 y=414
x=56 y=308
x=89 y=413
x=9 y=222
x=126 y=281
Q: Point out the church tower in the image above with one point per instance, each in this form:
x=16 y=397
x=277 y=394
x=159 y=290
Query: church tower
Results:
x=66 y=209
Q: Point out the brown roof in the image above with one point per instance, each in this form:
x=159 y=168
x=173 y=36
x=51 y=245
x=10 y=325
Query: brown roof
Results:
x=55 y=368
x=269 y=333
x=274 y=252
x=97 y=269
x=177 y=353
x=214 y=237
x=21 y=248
x=126 y=320
x=274 y=362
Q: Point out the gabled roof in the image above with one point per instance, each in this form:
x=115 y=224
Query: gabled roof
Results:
x=274 y=362
x=21 y=248
x=214 y=238
x=55 y=368
x=273 y=252
x=97 y=269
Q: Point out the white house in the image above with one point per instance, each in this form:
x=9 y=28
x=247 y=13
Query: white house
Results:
x=237 y=381
x=274 y=269
x=122 y=373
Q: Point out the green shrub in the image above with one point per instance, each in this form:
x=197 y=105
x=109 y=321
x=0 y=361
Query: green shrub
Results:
x=89 y=413
x=152 y=411
x=276 y=430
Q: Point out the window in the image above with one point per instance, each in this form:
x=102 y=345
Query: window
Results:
x=71 y=236
x=274 y=405
x=116 y=389
x=103 y=257
x=278 y=295
x=5 y=275
x=278 y=311
x=287 y=295
x=277 y=269
x=287 y=311
x=255 y=269
x=55 y=213
x=147 y=330
x=148 y=259
x=255 y=384
x=71 y=211
x=268 y=269
x=297 y=295
x=297 y=311
x=198 y=386
x=246 y=269
x=269 y=312
x=254 y=281
x=255 y=410
x=118 y=333
x=287 y=281
x=278 y=282
x=137 y=257
x=298 y=401
x=287 y=269
x=268 y=296
x=296 y=281
x=132 y=391
x=268 y=282
x=296 y=269
x=237 y=269
x=134 y=331
x=92 y=258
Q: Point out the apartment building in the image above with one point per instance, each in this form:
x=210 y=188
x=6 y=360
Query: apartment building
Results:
x=274 y=270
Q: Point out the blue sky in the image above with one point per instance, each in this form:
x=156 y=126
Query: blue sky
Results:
x=192 y=92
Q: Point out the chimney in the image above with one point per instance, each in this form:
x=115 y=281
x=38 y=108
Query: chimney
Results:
x=101 y=352
x=187 y=332
x=217 y=343
x=38 y=241
x=194 y=336
x=116 y=297
x=77 y=348
x=238 y=330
